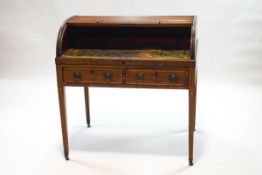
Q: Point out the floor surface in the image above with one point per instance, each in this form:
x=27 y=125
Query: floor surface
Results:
x=134 y=131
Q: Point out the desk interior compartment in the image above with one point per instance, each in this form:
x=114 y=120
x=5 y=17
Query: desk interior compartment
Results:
x=141 y=42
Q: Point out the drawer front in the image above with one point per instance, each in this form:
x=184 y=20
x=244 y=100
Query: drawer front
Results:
x=177 y=78
x=93 y=75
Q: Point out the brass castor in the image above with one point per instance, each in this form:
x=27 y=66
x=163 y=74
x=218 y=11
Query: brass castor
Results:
x=66 y=157
x=190 y=162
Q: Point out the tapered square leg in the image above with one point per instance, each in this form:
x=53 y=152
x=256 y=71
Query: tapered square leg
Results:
x=62 y=106
x=192 y=112
x=86 y=89
x=195 y=100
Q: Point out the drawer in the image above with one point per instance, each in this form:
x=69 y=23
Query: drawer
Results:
x=93 y=75
x=178 y=78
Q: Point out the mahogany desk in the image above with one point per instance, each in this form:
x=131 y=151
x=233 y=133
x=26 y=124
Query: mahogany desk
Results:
x=115 y=51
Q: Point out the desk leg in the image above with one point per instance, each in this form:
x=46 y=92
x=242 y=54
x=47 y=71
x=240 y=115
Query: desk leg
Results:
x=195 y=99
x=192 y=115
x=62 y=105
x=87 y=106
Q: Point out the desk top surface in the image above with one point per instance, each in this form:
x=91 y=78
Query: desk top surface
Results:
x=128 y=54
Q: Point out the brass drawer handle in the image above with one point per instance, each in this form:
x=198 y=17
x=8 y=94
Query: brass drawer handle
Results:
x=172 y=78
x=140 y=77
x=108 y=76
x=77 y=76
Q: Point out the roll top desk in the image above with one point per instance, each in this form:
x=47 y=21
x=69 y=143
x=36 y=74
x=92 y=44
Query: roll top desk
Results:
x=126 y=51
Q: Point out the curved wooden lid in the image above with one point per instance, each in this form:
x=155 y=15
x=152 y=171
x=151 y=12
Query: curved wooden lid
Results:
x=132 y=20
